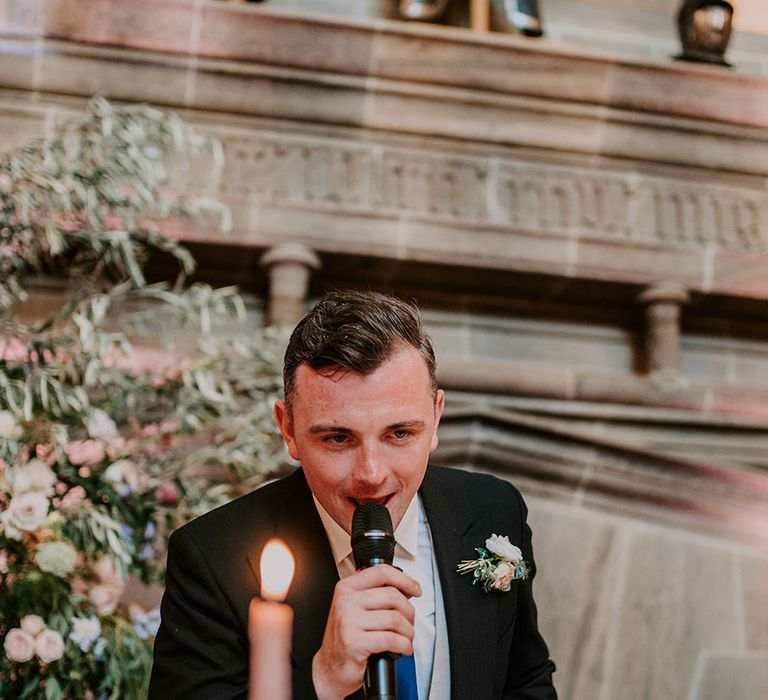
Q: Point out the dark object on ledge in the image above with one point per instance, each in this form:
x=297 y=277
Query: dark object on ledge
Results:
x=705 y=30
x=522 y=16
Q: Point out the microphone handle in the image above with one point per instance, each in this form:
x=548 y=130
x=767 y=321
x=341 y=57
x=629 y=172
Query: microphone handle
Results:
x=380 y=678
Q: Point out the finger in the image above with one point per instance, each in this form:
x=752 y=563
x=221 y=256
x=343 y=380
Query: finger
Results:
x=385 y=599
x=387 y=621
x=383 y=641
x=384 y=575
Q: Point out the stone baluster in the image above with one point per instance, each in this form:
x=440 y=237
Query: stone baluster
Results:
x=662 y=303
x=289 y=266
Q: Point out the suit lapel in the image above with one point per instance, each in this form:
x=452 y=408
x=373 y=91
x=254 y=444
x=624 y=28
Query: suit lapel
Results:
x=470 y=613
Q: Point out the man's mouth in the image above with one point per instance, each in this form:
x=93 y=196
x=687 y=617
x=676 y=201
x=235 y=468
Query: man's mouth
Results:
x=381 y=500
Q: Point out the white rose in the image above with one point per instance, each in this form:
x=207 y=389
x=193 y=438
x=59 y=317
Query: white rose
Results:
x=49 y=646
x=10 y=531
x=57 y=558
x=503 y=548
x=85 y=630
x=19 y=646
x=35 y=475
x=3 y=562
x=123 y=473
x=26 y=512
x=101 y=426
x=105 y=598
x=32 y=624
x=9 y=428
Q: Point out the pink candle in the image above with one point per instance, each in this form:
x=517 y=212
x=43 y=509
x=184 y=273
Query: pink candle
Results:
x=270 y=625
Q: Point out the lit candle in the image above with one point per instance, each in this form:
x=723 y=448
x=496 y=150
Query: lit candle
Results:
x=270 y=625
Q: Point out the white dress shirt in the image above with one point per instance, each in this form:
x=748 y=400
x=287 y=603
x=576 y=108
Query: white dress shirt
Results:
x=414 y=554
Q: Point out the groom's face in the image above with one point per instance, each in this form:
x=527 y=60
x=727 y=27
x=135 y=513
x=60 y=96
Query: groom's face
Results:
x=363 y=438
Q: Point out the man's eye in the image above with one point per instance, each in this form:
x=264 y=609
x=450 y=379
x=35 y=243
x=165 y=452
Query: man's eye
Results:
x=401 y=434
x=335 y=439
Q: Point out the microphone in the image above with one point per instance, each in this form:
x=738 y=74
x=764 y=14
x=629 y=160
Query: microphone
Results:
x=373 y=543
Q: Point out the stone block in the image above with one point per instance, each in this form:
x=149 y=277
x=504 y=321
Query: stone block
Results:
x=754 y=574
x=116 y=74
x=484 y=246
x=604 y=260
x=249 y=33
x=566 y=345
x=17 y=66
x=742 y=273
x=733 y=677
x=166 y=26
x=578 y=557
x=678 y=600
x=23 y=18
x=262 y=92
x=18 y=125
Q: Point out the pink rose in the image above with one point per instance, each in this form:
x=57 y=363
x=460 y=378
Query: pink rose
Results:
x=106 y=571
x=32 y=624
x=118 y=447
x=78 y=586
x=143 y=361
x=19 y=646
x=49 y=646
x=167 y=493
x=44 y=451
x=150 y=430
x=170 y=426
x=13 y=350
x=3 y=561
x=74 y=498
x=84 y=452
x=105 y=598
x=503 y=576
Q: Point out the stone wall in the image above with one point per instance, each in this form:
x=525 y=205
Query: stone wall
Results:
x=584 y=222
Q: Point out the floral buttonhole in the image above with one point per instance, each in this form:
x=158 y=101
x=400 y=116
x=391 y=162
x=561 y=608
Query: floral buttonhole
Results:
x=499 y=564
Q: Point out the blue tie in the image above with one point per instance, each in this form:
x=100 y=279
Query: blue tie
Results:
x=405 y=667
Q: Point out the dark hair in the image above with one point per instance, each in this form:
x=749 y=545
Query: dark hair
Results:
x=355 y=331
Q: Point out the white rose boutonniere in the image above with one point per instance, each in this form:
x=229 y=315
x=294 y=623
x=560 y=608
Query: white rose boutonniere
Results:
x=499 y=564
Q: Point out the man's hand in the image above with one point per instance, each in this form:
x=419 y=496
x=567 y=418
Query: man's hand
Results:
x=370 y=614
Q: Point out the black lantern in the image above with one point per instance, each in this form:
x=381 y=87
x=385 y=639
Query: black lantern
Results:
x=705 y=30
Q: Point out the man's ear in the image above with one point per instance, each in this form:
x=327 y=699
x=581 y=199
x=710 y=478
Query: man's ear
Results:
x=439 y=406
x=284 y=422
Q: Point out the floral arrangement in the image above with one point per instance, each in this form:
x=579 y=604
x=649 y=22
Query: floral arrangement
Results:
x=500 y=564
x=110 y=439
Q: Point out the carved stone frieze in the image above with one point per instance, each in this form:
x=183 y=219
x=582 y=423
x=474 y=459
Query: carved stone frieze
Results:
x=525 y=195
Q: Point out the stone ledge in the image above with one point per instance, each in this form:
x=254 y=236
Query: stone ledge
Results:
x=420 y=54
x=583 y=469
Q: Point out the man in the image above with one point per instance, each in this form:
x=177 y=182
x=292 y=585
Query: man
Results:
x=361 y=413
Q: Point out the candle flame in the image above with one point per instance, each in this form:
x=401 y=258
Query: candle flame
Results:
x=277 y=568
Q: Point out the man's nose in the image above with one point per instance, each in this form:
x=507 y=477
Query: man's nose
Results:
x=370 y=469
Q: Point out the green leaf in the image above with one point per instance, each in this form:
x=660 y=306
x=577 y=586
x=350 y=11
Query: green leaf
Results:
x=52 y=688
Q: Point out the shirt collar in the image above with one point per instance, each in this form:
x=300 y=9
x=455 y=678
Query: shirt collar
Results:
x=406 y=534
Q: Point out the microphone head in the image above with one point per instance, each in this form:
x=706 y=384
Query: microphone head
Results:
x=372 y=539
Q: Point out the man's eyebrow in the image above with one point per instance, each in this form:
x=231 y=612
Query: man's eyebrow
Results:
x=406 y=424
x=415 y=424
x=329 y=429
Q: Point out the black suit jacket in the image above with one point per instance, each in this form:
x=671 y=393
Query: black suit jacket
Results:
x=201 y=650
